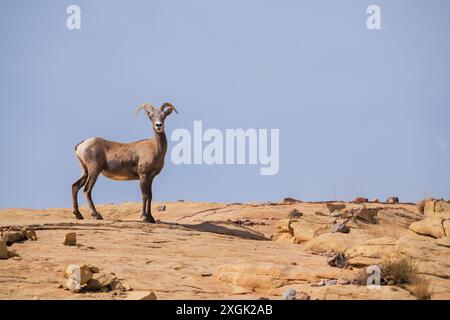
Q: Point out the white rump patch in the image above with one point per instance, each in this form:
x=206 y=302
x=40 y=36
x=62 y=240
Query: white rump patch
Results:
x=82 y=147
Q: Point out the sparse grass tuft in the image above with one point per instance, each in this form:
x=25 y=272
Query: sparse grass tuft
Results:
x=361 y=277
x=421 y=204
x=396 y=271
x=400 y=271
x=421 y=288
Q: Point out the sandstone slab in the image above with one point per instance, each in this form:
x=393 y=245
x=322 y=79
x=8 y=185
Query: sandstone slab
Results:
x=431 y=226
x=437 y=208
x=335 y=207
x=337 y=242
x=170 y=257
x=300 y=229
x=3 y=250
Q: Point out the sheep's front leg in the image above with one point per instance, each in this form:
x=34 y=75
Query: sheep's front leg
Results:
x=146 y=190
x=149 y=205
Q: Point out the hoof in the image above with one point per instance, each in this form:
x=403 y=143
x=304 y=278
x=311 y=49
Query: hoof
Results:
x=97 y=216
x=78 y=215
x=147 y=219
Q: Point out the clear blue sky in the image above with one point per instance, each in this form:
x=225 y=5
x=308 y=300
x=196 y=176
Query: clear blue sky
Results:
x=360 y=113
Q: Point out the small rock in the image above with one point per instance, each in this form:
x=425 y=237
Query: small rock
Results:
x=291 y=200
x=161 y=208
x=321 y=283
x=295 y=214
x=31 y=235
x=104 y=289
x=335 y=214
x=339 y=260
x=93 y=269
x=206 y=274
x=93 y=285
x=10 y=237
x=339 y=227
x=180 y=200
x=343 y=281
x=106 y=279
x=85 y=274
x=320 y=213
x=289 y=294
x=3 y=250
x=335 y=207
x=392 y=200
x=331 y=282
x=13 y=254
x=70 y=239
x=117 y=286
x=59 y=286
x=105 y=282
x=77 y=276
x=141 y=295
x=361 y=200
x=247 y=222
x=368 y=215
x=375 y=200
x=127 y=286
x=303 y=296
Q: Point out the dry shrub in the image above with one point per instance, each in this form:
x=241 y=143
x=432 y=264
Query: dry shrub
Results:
x=361 y=277
x=398 y=270
x=421 y=204
x=421 y=288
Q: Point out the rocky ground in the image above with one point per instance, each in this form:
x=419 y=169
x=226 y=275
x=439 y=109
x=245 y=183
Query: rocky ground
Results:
x=229 y=251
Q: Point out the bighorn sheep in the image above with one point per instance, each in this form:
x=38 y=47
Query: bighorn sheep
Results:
x=141 y=160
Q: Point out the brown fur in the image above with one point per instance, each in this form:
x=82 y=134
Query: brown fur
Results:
x=141 y=160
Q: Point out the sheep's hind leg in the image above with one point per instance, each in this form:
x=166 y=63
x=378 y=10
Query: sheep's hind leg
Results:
x=75 y=188
x=92 y=178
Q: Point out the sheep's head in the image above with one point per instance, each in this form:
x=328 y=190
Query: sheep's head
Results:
x=157 y=116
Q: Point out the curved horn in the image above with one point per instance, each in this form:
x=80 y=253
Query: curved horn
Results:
x=167 y=105
x=147 y=107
